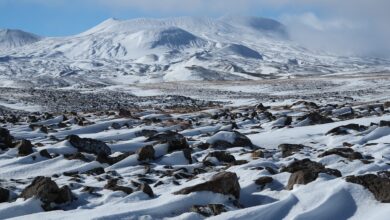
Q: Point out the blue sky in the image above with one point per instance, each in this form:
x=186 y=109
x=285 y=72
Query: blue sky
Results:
x=67 y=17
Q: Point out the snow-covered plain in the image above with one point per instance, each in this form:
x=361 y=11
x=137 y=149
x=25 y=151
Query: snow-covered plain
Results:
x=250 y=134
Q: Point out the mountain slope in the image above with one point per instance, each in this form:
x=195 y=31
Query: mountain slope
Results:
x=10 y=38
x=184 y=48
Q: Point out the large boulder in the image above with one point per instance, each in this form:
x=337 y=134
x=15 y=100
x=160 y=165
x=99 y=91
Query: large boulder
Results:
x=24 y=147
x=224 y=183
x=378 y=185
x=174 y=140
x=305 y=171
x=4 y=195
x=89 y=145
x=5 y=138
x=227 y=139
x=48 y=192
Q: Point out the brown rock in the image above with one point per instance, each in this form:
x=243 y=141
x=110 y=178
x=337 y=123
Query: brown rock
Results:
x=378 y=185
x=146 y=153
x=224 y=183
x=47 y=191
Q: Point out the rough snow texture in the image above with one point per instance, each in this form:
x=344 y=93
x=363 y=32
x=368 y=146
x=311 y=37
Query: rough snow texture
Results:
x=114 y=191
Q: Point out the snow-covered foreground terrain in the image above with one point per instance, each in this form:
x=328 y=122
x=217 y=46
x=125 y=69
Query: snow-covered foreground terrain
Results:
x=315 y=149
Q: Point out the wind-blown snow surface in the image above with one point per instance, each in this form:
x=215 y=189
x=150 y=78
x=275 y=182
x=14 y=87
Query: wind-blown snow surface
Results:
x=327 y=197
x=172 y=49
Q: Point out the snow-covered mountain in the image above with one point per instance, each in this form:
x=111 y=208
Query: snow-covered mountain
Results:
x=171 y=49
x=10 y=38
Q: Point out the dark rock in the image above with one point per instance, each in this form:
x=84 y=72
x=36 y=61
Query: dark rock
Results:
x=116 y=126
x=95 y=171
x=187 y=154
x=240 y=140
x=384 y=123
x=378 y=185
x=290 y=149
x=348 y=153
x=5 y=139
x=222 y=156
x=261 y=107
x=202 y=145
x=112 y=185
x=342 y=130
x=174 y=140
x=76 y=156
x=144 y=187
x=102 y=158
x=224 y=183
x=24 y=148
x=4 y=195
x=146 y=133
x=301 y=177
x=125 y=113
x=209 y=210
x=264 y=180
x=305 y=171
x=89 y=145
x=45 y=153
x=47 y=191
x=146 y=153
x=316 y=118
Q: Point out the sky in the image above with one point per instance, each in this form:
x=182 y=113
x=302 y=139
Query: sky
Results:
x=344 y=26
